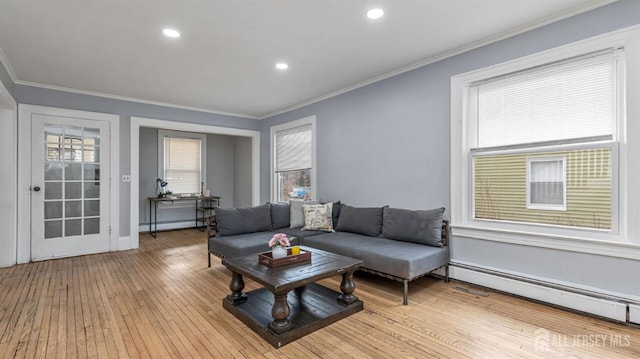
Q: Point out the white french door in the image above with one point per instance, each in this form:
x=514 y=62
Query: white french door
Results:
x=70 y=177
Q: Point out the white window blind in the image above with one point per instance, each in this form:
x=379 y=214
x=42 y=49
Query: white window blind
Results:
x=293 y=149
x=571 y=100
x=182 y=164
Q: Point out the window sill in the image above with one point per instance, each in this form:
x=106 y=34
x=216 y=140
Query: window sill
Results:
x=603 y=248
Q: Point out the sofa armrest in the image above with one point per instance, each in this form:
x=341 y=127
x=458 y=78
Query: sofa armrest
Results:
x=445 y=232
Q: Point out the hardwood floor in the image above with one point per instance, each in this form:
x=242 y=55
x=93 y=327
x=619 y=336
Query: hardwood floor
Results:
x=161 y=301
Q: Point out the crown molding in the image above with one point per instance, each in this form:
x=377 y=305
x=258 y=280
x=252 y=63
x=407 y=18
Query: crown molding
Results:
x=430 y=60
x=131 y=99
x=457 y=51
x=5 y=62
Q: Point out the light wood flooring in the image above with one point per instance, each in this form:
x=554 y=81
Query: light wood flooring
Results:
x=161 y=301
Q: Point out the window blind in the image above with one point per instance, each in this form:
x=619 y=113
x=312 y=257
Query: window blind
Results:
x=182 y=164
x=571 y=100
x=293 y=149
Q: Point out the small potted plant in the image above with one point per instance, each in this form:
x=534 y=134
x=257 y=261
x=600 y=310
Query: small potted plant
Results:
x=279 y=243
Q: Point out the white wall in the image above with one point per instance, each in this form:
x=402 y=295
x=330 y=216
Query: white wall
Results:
x=8 y=181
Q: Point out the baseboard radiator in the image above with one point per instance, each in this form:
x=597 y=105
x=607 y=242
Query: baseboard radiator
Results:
x=595 y=303
x=165 y=226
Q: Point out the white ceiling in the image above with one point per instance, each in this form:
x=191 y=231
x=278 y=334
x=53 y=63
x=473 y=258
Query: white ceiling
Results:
x=225 y=59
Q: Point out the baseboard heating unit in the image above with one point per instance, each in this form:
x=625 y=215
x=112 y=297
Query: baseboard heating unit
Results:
x=600 y=304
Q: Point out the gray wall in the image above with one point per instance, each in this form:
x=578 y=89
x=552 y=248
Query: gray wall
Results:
x=222 y=166
x=242 y=172
x=126 y=109
x=388 y=143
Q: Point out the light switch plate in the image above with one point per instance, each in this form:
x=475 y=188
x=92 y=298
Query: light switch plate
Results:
x=126 y=178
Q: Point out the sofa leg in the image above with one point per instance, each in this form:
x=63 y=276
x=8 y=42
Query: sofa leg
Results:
x=405 y=300
x=209 y=255
x=446 y=273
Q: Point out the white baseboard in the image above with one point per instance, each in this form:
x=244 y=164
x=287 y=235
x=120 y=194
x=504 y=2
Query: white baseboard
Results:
x=168 y=226
x=634 y=313
x=440 y=271
x=597 y=306
x=124 y=243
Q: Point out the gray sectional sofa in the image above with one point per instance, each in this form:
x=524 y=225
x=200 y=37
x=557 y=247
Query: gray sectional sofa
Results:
x=395 y=243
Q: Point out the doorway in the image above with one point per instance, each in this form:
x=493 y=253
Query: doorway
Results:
x=138 y=122
x=68 y=196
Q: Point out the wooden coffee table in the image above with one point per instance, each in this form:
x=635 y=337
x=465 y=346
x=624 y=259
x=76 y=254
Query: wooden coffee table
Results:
x=291 y=305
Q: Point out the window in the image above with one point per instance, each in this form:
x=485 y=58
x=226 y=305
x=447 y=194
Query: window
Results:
x=182 y=160
x=546 y=183
x=522 y=118
x=541 y=147
x=293 y=160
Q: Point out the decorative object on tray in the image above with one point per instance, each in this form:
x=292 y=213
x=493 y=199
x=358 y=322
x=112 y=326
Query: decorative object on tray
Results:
x=279 y=243
x=267 y=258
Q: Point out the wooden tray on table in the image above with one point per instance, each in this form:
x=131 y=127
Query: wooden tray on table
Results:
x=266 y=258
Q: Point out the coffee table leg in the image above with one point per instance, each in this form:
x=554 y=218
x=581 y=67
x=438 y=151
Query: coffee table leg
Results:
x=237 y=285
x=348 y=286
x=280 y=312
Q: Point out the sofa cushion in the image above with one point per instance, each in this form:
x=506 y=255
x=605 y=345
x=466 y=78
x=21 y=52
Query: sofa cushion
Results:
x=318 y=217
x=242 y=244
x=296 y=218
x=280 y=215
x=419 y=226
x=298 y=232
x=401 y=259
x=232 y=221
x=362 y=220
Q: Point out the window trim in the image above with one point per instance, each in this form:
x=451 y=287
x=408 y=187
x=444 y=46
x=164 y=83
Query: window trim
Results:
x=188 y=135
x=624 y=241
x=310 y=120
x=547 y=206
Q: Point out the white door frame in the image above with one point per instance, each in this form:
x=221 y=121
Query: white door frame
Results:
x=24 y=172
x=137 y=122
x=9 y=183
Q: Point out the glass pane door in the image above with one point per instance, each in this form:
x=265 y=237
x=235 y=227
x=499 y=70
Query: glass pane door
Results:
x=71 y=181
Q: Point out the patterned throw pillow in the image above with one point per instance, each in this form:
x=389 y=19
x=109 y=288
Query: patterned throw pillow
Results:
x=318 y=217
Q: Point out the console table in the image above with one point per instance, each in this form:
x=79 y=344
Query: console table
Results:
x=204 y=209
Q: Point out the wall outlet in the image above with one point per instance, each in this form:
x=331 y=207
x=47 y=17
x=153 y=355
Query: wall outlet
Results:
x=126 y=178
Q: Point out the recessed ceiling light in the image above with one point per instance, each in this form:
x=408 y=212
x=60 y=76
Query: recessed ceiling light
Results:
x=282 y=66
x=375 y=13
x=170 y=32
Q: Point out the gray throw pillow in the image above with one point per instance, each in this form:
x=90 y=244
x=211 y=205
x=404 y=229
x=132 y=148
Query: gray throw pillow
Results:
x=336 y=213
x=361 y=220
x=232 y=221
x=280 y=215
x=419 y=226
x=296 y=218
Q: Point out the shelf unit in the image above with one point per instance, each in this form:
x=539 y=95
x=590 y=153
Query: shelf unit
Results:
x=206 y=211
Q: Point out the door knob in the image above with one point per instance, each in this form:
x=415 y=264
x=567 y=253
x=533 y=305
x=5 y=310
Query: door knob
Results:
x=36 y=188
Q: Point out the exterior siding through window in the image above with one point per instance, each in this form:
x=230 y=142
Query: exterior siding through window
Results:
x=500 y=186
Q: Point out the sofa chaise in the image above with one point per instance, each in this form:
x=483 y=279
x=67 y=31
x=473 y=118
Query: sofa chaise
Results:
x=398 y=244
